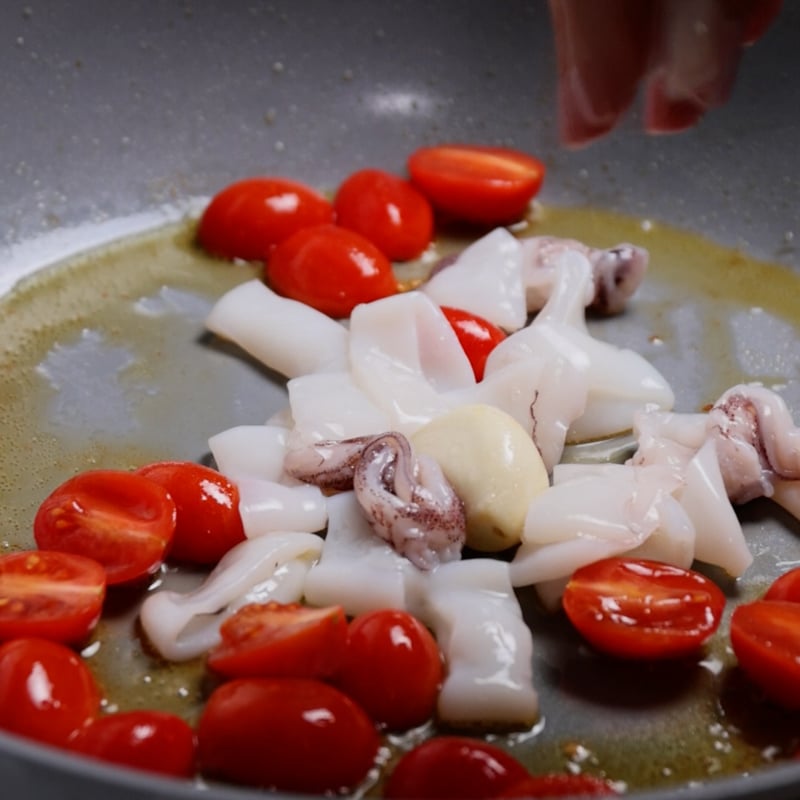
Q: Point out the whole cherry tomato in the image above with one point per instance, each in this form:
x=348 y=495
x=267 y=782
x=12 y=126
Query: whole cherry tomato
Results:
x=46 y=691
x=50 y=595
x=785 y=587
x=207 y=521
x=123 y=520
x=558 y=785
x=248 y=218
x=288 y=734
x=643 y=609
x=155 y=741
x=765 y=636
x=281 y=640
x=478 y=337
x=482 y=185
x=392 y=668
x=331 y=269
x=387 y=210
x=456 y=767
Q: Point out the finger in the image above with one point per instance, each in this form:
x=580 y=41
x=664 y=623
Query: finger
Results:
x=696 y=52
x=601 y=52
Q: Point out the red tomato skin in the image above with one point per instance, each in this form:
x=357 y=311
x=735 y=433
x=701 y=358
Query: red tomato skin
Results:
x=392 y=668
x=387 y=210
x=477 y=336
x=558 y=785
x=785 y=587
x=155 y=741
x=50 y=595
x=46 y=691
x=640 y=609
x=456 y=767
x=477 y=184
x=281 y=640
x=248 y=218
x=765 y=636
x=290 y=734
x=207 y=520
x=120 y=519
x=331 y=269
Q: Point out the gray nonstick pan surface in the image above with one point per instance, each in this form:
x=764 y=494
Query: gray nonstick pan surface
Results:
x=129 y=110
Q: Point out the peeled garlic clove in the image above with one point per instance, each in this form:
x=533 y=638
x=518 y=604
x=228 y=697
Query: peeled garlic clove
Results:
x=493 y=465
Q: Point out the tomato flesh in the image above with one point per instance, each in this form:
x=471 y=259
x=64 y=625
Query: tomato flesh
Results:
x=50 y=595
x=387 y=210
x=46 y=691
x=207 y=521
x=288 y=734
x=643 y=609
x=786 y=587
x=482 y=185
x=281 y=640
x=248 y=218
x=477 y=336
x=120 y=519
x=331 y=269
x=765 y=636
x=392 y=668
x=456 y=767
x=154 y=741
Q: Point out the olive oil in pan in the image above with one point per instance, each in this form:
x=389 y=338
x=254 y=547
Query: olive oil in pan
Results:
x=105 y=363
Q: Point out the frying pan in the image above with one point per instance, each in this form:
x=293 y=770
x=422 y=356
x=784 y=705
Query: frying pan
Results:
x=113 y=114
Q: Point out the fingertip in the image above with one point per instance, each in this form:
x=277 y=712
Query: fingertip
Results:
x=663 y=114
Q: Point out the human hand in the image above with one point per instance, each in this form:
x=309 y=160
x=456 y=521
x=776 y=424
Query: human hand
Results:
x=686 y=52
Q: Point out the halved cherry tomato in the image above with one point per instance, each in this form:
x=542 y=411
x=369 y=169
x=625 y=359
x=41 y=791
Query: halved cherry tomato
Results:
x=288 y=734
x=120 y=519
x=456 y=767
x=155 y=741
x=392 y=668
x=786 y=587
x=387 y=210
x=248 y=218
x=281 y=640
x=50 y=595
x=643 y=609
x=46 y=692
x=207 y=521
x=558 y=785
x=483 y=185
x=478 y=337
x=765 y=636
x=331 y=269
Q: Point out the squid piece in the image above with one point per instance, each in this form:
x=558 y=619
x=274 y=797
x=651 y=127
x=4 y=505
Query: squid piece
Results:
x=273 y=567
x=619 y=381
x=330 y=465
x=357 y=570
x=257 y=319
x=485 y=279
x=593 y=512
x=758 y=444
x=267 y=506
x=617 y=271
x=405 y=356
x=409 y=502
x=476 y=618
x=331 y=406
x=545 y=395
x=406 y=499
x=719 y=538
x=250 y=451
